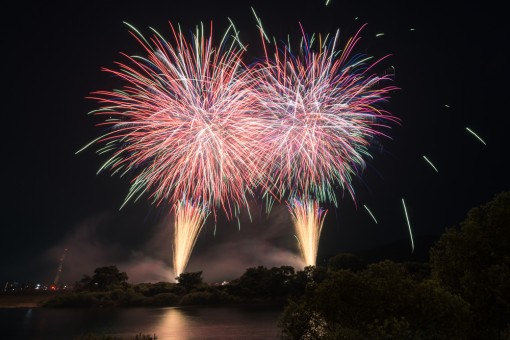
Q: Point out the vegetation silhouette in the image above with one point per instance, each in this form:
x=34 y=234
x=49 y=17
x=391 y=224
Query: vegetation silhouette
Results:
x=463 y=292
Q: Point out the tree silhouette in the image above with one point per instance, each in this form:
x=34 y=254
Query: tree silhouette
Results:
x=190 y=280
x=104 y=278
x=473 y=260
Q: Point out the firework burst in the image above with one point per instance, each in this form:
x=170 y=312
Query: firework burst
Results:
x=324 y=111
x=183 y=125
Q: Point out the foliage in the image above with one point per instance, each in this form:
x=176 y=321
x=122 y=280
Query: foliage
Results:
x=382 y=301
x=269 y=285
x=165 y=299
x=473 y=260
x=298 y=321
x=104 y=278
x=190 y=280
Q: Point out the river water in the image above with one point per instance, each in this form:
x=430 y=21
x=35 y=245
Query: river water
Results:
x=166 y=323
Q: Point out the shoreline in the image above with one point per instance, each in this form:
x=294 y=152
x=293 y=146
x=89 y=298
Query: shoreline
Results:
x=24 y=300
x=26 y=305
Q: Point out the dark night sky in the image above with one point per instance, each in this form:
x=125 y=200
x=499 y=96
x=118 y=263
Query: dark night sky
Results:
x=52 y=199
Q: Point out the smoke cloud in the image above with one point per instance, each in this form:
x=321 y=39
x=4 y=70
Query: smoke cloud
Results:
x=223 y=250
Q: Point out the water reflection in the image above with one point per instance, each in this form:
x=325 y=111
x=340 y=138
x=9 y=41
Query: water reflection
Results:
x=173 y=324
x=27 y=318
x=217 y=323
x=167 y=323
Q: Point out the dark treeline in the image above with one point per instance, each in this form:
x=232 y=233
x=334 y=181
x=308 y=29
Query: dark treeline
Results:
x=257 y=286
x=462 y=292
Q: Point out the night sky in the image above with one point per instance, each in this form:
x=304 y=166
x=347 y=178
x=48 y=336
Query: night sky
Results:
x=451 y=68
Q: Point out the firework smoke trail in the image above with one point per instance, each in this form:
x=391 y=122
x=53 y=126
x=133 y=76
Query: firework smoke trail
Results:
x=323 y=106
x=308 y=218
x=184 y=126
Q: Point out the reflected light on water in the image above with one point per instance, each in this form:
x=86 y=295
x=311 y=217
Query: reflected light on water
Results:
x=216 y=323
x=173 y=324
x=182 y=323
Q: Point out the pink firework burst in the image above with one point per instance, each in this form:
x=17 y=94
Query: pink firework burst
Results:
x=323 y=105
x=324 y=114
x=184 y=121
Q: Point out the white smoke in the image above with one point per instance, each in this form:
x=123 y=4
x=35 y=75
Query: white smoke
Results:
x=267 y=240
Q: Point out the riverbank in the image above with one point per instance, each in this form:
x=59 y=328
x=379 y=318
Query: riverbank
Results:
x=24 y=300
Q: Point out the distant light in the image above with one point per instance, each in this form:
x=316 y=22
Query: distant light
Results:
x=411 y=29
x=446 y=105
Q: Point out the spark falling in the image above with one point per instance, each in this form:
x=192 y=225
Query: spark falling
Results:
x=477 y=137
x=372 y=215
x=430 y=163
x=408 y=225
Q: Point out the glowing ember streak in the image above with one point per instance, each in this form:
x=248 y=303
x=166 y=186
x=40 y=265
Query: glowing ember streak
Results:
x=324 y=110
x=259 y=26
x=308 y=218
x=189 y=219
x=474 y=134
x=408 y=224
x=184 y=125
x=373 y=217
x=428 y=161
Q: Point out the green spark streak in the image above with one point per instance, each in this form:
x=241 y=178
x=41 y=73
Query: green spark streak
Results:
x=428 y=161
x=474 y=134
x=327 y=2
x=373 y=217
x=137 y=32
x=260 y=25
x=236 y=36
x=408 y=225
x=379 y=34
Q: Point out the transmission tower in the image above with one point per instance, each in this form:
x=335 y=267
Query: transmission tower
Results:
x=57 y=277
